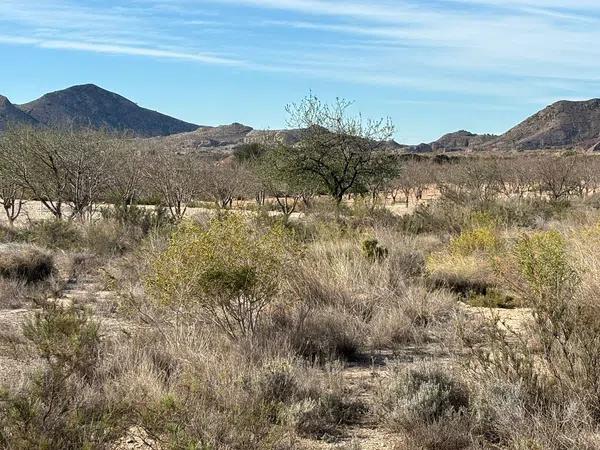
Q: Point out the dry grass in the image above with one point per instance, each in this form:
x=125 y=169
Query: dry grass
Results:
x=25 y=263
x=170 y=375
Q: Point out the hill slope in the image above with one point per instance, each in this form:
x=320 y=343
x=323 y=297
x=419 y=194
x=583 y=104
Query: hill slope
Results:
x=461 y=140
x=564 y=124
x=91 y=106
x=221 y=139
x=11 y=115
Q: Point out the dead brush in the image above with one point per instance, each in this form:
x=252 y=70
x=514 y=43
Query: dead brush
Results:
x=25 y=263
x=417 y=316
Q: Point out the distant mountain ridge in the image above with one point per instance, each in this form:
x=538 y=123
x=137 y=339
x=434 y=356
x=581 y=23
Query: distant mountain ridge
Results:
x=10 y=114
x=564 y=124
x=90 y=106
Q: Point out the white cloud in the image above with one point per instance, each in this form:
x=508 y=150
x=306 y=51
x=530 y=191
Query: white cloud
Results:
x=514 y=48
x=137 y=51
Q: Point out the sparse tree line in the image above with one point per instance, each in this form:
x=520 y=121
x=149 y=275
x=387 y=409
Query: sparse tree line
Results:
x=339 y=155
x=72 y=172
x=550 y=176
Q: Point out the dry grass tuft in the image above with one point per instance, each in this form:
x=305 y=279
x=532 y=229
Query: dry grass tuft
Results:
x=25 y=263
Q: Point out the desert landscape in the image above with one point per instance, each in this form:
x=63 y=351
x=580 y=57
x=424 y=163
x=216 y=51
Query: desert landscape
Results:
x=170 y=286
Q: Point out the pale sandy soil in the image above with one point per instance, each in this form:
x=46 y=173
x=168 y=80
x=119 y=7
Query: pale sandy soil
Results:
x=35 y=210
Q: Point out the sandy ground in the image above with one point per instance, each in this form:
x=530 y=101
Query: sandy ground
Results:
x=34 y=210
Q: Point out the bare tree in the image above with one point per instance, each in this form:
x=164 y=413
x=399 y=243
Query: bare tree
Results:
x=174 y=178
x=285 y=185
x=34 y=158
x=11 y=198
x=558 y=176
x=413 y=178
x=58 y=167
x=127 y=173
x=88 y=165
x=225 y=181
x=515 y=176
x=473 y=179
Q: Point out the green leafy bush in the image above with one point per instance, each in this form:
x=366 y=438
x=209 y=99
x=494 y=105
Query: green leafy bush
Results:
x=230 y=270
x=545 y=267
x=479 y=239
x=55 y=233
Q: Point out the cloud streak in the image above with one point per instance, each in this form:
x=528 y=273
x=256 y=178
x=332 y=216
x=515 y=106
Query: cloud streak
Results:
x=511 y=48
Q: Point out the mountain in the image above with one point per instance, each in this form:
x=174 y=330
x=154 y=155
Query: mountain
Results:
x=452 y=142
x=224 y=138
x=564 y=124
x=461 y=140
x=91 y=106
x=11 y=115
x=220 y=139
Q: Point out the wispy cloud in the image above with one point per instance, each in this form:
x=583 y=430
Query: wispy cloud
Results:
x=137 y=51
x=513 y=48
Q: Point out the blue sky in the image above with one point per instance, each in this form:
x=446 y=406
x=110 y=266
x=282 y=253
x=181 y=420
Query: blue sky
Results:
x=433 y=66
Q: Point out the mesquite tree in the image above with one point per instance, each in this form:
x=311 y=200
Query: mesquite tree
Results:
x=336 y=149
x=59 y=167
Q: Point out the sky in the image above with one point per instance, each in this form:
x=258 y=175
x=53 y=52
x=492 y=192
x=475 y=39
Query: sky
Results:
x=432 y=66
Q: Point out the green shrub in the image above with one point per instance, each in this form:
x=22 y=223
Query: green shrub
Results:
x=55 y=233
x=142 y=218
x=479 y=239
x=65 y=338
x=373 y=251
x=544 y=264
x=230 y=270
x=59 y=407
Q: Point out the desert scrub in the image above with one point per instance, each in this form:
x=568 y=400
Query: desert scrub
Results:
x=467 y=265
x=55 y=234
x=373 y=251
x=428 y=404
x=424 y=394
x=25 y=263
x=61 y=405
x=418 y=315
x=230 y=270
